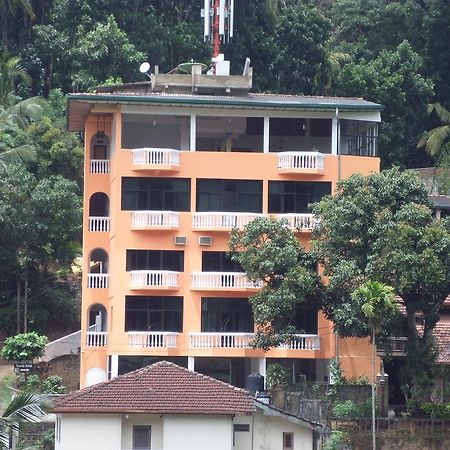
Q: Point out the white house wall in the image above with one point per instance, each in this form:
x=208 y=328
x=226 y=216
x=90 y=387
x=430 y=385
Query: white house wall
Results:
x=198 y=433
x=155 y=421
x=89 y=431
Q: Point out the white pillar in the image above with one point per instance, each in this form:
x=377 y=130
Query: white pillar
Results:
x=266 y=138
x=335 y=134
x=191 y=363
x=193 y=133
x=262 y=366
x=114 y=366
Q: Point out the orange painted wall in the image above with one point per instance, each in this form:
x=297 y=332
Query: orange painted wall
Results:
x=193 y=165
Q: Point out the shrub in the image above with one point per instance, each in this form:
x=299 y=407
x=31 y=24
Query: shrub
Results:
x=50 y=385
x=277 y=375
x=24 y=346
x=435 y=410
x=350 y=409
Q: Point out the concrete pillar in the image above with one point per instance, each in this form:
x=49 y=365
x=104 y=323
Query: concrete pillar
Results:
x=193 y=133
x=266 y=138
x=114 y=366
x=335 y=134
x=191 y=363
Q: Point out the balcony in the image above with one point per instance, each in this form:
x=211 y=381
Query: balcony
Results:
x=243 y=340
x=154 y=220
x=299 y=222
x=397 y=347
x=154 y=279
x=99 y=166
x=96 y=338
x=165 y=159
x=99 y=224
x=220 y=340
x=154 y=339
x=301 y=162
x=98 y=280
x=221 y=221
x=223 y=280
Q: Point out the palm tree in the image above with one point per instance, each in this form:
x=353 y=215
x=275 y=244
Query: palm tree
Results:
x=379 y=304
x=434 y=140
x=11 y=71
x=23 y=408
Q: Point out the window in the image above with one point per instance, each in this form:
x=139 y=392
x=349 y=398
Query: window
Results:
x=320 y=127
x=219 y=262
x=288 y=441
x=305 y=320
x=241 y=427
x=226 y=315
x=287 y=127
x=155 y=260
x=229 y=195
x=145 y=313
x=142 y=437
x=294 y=196
x=156 y=194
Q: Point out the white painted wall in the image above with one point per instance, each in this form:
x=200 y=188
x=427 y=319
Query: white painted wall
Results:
x=198 y=433
x=89 y=431
x=267 y=433
x=153 y=420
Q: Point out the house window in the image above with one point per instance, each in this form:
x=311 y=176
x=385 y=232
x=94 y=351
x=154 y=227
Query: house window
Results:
x=226 y=315
x=142 y=437
x=229 y=195
x=286 y=197
x=155 y=260
x=288 y=441
x=153 y=313
x=156 y=194
x=219 y=262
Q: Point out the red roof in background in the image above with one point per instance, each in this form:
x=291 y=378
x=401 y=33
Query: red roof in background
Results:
x=162 y=388
x=441 y=334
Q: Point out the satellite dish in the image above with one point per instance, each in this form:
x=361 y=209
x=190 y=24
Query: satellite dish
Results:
x=144 y=67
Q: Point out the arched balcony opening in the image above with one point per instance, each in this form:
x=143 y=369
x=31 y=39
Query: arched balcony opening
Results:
x=99 y=153
x=99 y=212
x=97 y=334
x=98 y=277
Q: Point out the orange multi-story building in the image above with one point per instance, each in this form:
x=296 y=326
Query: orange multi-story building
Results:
x=171 y=165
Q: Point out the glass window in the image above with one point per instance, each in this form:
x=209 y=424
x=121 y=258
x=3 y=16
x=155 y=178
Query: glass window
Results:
x=288 y=441
x=227 y=315
x=294 y=196
x=155 y=260
x=229 y=195
x=287 y=127
x=219 y=262
x=145 y=313
x=142 y=437
x=156 y=194
x=320 y=127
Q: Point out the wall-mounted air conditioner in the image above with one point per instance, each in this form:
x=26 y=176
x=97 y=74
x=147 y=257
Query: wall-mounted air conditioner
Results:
x=205 y=240
x=180 y=240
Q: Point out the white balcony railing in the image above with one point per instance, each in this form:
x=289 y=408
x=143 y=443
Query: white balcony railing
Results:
x=301 y=160
x=215 y=280
x=154 y=219
x=99 y=166
x=302 y=342
x=243 y=340
x=98 y=280
x=156 y=157
x=158 y=339
x=222 y=220
x=141 y=279
x=299 y=221
x=98 y=223
x=96 y=338
x=220 y=340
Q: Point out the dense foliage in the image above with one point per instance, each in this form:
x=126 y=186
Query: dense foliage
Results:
x=25 y=346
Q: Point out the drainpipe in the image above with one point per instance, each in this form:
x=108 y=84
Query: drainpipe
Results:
x=338 y=151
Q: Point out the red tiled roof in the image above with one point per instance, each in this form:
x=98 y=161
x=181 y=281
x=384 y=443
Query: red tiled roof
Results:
x=162 y=388
x=441 y=335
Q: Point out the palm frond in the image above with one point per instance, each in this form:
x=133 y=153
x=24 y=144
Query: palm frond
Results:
x=436 y=139
x=442 y=113
x=23 y=153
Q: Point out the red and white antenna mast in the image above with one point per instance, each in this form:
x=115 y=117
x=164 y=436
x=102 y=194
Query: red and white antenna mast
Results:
x=218 y=24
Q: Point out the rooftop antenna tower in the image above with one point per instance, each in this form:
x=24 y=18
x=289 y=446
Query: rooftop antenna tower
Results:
x=218 y=18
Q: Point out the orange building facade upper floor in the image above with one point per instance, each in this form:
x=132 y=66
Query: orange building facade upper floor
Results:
x=167 y=176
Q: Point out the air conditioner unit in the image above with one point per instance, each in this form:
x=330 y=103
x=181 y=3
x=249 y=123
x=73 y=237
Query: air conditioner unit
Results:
x=180 y=240
x=205 y=240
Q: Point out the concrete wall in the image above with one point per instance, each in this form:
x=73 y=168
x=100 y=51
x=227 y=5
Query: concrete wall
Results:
x=198 y=433
x=89 y=431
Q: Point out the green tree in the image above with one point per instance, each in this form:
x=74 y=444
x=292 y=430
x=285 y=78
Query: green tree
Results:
x=24 y=346
x=9 y=8
x=11 y=71
x=381 y=227
x=393 y=79
x=104 y=52
x=269 y=251
x=435 y=139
